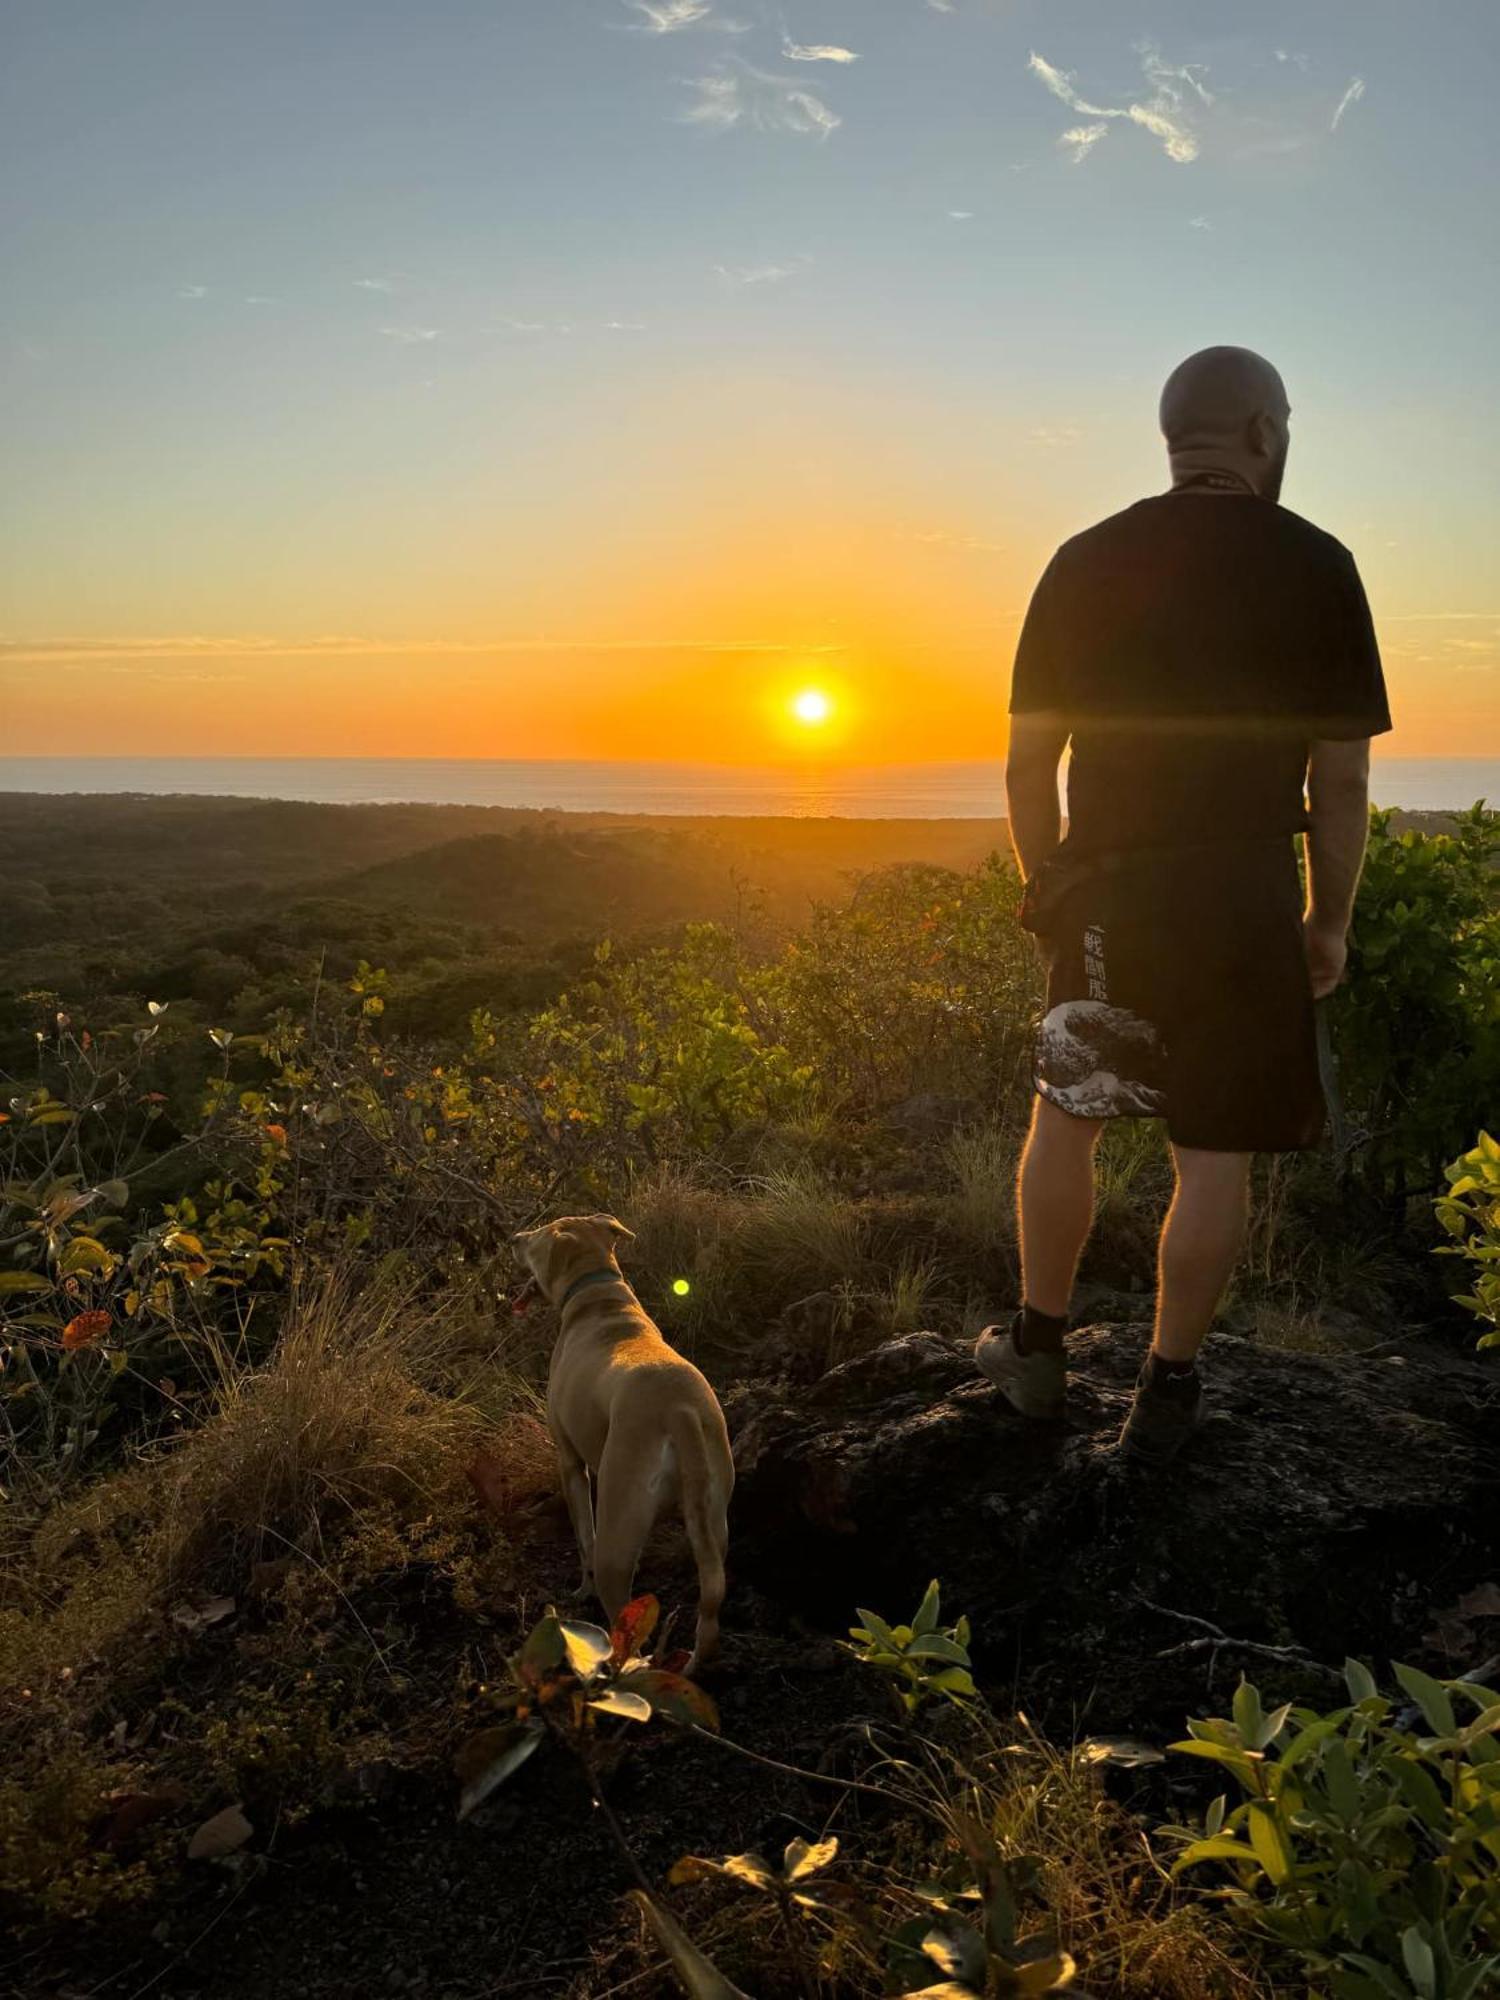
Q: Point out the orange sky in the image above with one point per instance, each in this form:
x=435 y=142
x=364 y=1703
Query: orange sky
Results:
x=646 y=365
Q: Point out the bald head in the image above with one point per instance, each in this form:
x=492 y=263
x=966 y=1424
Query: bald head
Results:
x=1227 y=406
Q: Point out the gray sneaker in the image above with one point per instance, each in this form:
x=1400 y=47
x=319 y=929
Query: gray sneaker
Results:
x=1166 y=1411
x=1033 y=1384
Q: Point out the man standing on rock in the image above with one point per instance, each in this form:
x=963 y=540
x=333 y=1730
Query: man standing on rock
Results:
x=1209 y=657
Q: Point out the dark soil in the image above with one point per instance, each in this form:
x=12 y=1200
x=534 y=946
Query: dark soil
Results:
x=1332 y=1505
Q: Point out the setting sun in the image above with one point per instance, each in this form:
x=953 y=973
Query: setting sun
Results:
x=812 y=706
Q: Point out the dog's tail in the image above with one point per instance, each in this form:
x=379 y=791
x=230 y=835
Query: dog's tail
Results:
x=705 y=1471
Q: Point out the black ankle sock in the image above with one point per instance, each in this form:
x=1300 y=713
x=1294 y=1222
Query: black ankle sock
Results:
x=1164 y=1370
x=1038 y=1332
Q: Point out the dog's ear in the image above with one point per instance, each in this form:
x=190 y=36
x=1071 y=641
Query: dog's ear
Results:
x=614 y=1228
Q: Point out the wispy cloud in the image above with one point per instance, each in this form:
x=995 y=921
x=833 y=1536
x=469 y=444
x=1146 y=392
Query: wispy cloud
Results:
x=666 y=17
x=762 y=274
x=624 y=326
x=941 y=6
x=1055 y=434
x=816 y=52
x=1080 y=140
x=670 y=17
x=192 y=291
x=1199 y=222
x=376 y=284
x=340 y=645
x=737 y=93
x=1351 y=96
x=1165 y=113
x=410 y=336
x=960 y=215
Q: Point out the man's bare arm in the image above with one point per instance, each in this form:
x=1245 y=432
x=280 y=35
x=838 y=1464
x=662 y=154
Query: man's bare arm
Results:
x=1037 y=743
x=1338 y=799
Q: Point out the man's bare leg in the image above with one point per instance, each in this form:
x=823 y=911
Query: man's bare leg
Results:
x=1055 y=1204
x=1201 y=1242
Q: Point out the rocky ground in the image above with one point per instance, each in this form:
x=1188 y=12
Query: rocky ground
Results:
x=1332 y=1505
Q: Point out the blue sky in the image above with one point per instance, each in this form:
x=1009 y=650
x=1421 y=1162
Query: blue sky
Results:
x=436 y=325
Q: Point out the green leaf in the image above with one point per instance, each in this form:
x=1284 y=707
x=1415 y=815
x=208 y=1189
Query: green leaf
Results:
x=82 y=1255
x=544 y=1651
x=927 y=1611
x=875 y=1627
x=23 y=1281
x=1359 y=1681
x=934 y=1646
x=802 y=1858
x=1128 y=1752
x=1247 y=1714
x=701 y=1978
x=620 y=1701
x=1307 y=1740
x=957 y=1949
x=749 y=1868
x=1431 y=1697
x=1417 y=1956
x=588 y=1647
x=1218 y=1847
x=1045 y=1975
x=1268 y=1838
x=489 y=1757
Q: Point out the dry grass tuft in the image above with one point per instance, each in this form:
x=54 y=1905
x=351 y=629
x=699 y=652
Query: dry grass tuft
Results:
x=332 y=1423
x=799 y=1235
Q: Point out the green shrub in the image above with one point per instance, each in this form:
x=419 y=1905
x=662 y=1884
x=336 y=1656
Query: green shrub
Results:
x=923 y=1658
x=1366 y=1843
x=1470 y=1213
x=1417 y=1022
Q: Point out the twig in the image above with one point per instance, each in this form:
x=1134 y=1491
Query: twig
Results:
x=796 y=1771
x=1217 y=1639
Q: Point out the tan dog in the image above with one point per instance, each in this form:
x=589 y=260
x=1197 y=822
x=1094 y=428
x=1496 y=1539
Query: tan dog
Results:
x=626 y=1407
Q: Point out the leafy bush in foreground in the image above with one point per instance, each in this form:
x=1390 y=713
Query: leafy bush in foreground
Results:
x=1363 y=1843
x=1470 y=1213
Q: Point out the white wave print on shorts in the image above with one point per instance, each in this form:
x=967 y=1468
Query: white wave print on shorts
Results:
x=1098 y=1061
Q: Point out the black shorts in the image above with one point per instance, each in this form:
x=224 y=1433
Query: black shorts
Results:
x=1178 y=989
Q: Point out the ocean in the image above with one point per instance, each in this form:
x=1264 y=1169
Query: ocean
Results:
x=888 y=791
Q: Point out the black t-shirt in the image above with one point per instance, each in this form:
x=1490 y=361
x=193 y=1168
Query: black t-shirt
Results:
x=1194 y=646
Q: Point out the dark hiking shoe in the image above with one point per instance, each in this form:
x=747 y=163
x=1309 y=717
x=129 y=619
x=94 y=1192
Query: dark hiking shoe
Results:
x=1033 y=1384
x=1167 y=1409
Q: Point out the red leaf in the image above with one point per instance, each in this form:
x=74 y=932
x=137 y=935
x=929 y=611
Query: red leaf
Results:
x=672 y=1696
x=633 y=1627
x=486 y=1474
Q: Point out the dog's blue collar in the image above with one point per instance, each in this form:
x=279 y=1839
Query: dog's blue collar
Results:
x=589 y=1278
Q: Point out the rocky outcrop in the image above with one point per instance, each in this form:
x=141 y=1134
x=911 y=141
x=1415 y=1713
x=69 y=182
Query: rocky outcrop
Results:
x=1329 y=1506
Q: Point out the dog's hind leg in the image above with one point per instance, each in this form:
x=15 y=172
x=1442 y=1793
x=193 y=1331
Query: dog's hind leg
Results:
x=575 y=1485
x=630 y=1493
x=705 y=1511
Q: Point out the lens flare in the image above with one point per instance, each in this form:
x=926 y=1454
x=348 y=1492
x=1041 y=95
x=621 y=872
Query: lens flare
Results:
x=681 y=1287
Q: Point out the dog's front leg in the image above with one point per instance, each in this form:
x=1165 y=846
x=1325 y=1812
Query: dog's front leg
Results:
x=575 y=1485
